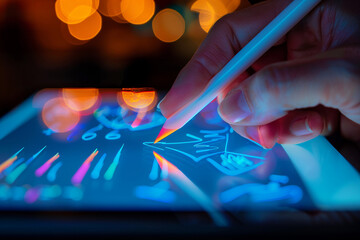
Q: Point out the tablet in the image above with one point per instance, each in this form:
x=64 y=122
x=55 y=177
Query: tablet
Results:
x=93 y=150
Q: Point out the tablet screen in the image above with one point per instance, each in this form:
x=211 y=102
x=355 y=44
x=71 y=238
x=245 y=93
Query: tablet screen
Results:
x=104 y=159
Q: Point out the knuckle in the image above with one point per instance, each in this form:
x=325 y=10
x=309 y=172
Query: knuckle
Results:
x=349 y=84
x=222 y=23
x=211 y=60
x=270 y=81
x=347 y=80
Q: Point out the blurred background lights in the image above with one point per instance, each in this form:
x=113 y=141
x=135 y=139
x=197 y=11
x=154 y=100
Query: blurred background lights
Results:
x=85 y=22
x=110 y=8
x=168 y=25
x=75 y=11
x=119 y=18
x=80 y=99
x=212 y=10
x=137 y=11
x=88 y=28
x=54 y=40
x=137 y=100
x=66 y=35
x=58 y=117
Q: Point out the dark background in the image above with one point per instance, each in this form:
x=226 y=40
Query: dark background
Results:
x=36 y=52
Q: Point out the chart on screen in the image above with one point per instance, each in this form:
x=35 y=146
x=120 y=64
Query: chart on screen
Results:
x=108 y=160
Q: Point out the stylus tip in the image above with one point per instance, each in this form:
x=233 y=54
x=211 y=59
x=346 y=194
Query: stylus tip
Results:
x=164 y=132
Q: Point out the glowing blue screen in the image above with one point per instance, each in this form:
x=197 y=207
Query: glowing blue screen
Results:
x=105 y=164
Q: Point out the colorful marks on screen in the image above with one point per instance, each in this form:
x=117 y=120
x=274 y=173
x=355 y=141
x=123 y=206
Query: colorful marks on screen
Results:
x=210 y=143
x=73 y=193
x=115 y=120
x=51 y=176
x=194 y=147
x=139 y=117
x=233 y=164
x=154 y=171
x=158 y=192
x=96 y=171
x=186 y=185
x=209 y=146
x=81 y=172
x=8 y=170
x=260 y=193
x=10 y=161
x=109 y=174
x=41 y=170
x=31 y=194
x=20 y=169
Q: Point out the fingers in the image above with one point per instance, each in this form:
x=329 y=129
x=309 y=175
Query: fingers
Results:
x=224 y=40
x=296 y=127
x=269 y=94
x=285 y=102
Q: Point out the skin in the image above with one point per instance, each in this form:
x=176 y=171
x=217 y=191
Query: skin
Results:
x=306 y=85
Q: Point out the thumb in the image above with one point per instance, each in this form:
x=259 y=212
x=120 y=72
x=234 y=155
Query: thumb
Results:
x=330 y=79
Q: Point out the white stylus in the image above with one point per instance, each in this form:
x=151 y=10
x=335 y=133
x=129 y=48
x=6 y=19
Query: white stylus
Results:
x=262 y=42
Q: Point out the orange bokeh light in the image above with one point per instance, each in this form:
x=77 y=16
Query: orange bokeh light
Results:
x=168 y=25
x=119 y=19
x=136 y=99
x=58 y=117
x=137 y=11
x=75 y=11
x=212 y=10
x=232 y=5
x=80 y=99
x=110 y=8
x=64 y=29
x=88 y=28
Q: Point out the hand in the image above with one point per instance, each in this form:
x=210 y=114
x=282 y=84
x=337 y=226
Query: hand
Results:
x=306 y=85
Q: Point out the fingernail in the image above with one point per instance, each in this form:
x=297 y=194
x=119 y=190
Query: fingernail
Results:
x=253 y=133
x=300 y=127
x=234 y=108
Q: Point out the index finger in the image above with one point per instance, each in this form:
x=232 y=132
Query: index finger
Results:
x=225 y=39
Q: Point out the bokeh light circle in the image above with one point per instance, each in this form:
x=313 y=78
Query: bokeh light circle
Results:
x=136 y=99
x=75 y=11
x=110 y=8
x=212 y=10
x=137 y=11
x=58 y=117
x=168 y=25
x=80 y=99
x=88 y=28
